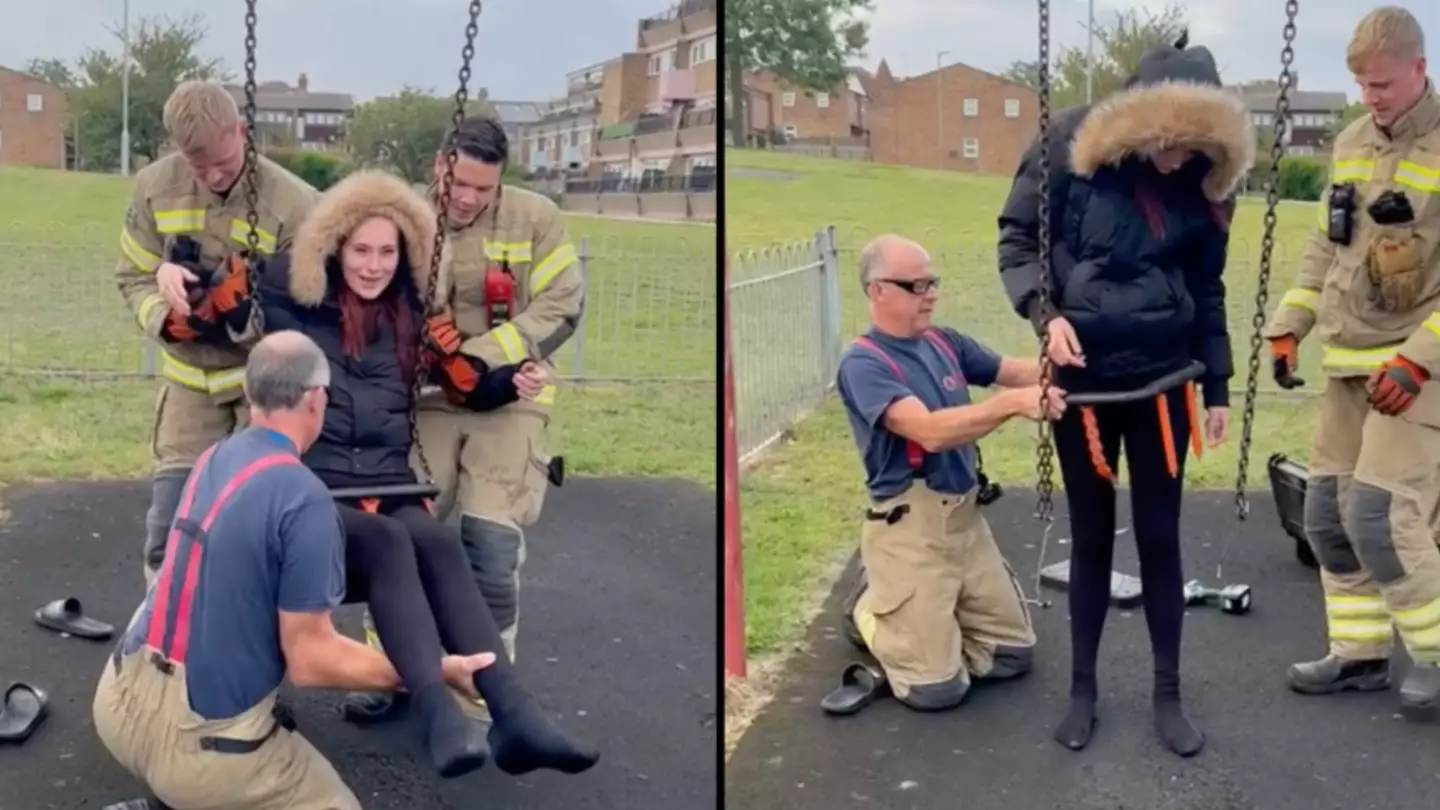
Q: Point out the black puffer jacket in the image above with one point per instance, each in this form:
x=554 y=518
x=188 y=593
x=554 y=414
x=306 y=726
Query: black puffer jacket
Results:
x=366 y=438
x=1138 y=257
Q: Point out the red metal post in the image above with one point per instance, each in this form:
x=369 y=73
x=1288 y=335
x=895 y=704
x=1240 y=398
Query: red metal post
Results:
x=734 y=568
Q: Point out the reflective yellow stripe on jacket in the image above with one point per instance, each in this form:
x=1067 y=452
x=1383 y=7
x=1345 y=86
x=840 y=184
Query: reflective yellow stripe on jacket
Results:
x=240 y=234
x=1301 y=298
x=197 y=379
x=1357 y=361
x=543 y=272
x=180 y=220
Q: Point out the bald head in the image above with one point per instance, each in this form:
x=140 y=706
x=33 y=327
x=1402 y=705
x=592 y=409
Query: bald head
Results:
x=284 y=367
x=889 y=251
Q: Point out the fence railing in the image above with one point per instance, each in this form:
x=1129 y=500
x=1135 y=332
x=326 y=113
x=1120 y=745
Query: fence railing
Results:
x=795 y=307
x=785 y=329
x=650 y=313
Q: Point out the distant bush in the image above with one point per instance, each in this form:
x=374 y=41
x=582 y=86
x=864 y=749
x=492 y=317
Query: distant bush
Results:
x=1301 y=178
x=320 y=169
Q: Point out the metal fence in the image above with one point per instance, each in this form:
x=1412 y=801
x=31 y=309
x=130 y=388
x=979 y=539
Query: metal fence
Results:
x=794 y=308
x=785 y=324
x=651 y=311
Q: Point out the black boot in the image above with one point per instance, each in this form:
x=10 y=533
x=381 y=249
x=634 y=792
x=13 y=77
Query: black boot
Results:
x=1333 y=674
x=457 y=745
x=1420 y=693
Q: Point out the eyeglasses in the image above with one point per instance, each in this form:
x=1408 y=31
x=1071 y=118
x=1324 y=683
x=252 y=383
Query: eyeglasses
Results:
x=914 y=286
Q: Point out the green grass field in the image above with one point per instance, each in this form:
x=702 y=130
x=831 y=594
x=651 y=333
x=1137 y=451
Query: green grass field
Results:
x=645 y=407
x=801 y=504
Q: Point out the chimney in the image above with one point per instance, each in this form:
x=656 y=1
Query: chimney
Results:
x=304 y=83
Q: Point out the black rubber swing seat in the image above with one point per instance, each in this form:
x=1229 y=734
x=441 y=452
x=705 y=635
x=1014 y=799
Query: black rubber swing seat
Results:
x=390 y=491
x=1288 y=482
x=22 y=711
x=1193 y=371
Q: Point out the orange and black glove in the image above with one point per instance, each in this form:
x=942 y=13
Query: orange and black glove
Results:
x=1394 y=387
x=230 y=292
x=470 y=383
x=200 y=326
x=1286 y=352
x=444 y=334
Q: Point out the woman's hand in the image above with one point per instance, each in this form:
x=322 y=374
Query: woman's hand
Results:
x=1064 y=346
x=530 y=380
x=1217 y=426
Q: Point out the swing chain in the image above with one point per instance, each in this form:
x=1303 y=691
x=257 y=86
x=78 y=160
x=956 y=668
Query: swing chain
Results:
x=1267 y=245
x=1045 y=451
x=434 y=304
x=252 y=190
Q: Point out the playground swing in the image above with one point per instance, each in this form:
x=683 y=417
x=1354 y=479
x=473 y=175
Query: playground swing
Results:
x=368 y=497
x=1285 y=481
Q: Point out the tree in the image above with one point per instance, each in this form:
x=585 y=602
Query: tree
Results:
x=1118 y=48
x=53 y=71
x=162 y=55
x=403 y=132
x=805 y=43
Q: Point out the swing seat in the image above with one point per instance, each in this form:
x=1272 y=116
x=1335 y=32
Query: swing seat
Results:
x=1154 y=389
x=390 y=491
x=1288 y=481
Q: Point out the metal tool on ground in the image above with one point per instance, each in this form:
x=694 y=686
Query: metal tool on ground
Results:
x=1232 y=599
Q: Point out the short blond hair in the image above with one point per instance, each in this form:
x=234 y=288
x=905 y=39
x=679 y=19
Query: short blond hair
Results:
x=1388 y=30
x=198 y=113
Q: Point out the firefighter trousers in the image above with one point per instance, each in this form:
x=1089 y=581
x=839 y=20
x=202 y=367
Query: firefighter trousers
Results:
x=1371 y=518
x=186 y=422
x=940 y=605
x=143 y=717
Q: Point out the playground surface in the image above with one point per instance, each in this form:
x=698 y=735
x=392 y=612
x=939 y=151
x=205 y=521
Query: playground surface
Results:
x=1267 y=748
x=617 y=640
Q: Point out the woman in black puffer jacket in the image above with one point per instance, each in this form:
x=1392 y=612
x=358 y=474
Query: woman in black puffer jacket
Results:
x=353 y=281
x=1142 y=188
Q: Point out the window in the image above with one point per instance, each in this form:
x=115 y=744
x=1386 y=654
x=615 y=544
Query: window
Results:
x=822 y=100
x=702 y=51
x=662 y=62
x=972 y=148
x=787 y=99
x=35 y=102
x=972 y=107
x=1012 y=108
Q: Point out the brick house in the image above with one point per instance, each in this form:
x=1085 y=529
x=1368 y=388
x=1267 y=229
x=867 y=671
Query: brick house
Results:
x=33 y=118
x=958 y=118
x=777 y=112
x=1313 y=115
x=298 y=116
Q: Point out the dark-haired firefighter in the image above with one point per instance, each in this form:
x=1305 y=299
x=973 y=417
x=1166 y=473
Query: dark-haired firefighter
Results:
x=518 y=294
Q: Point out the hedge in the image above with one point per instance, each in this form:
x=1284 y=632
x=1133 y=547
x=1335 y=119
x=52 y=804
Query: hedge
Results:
x=320 y=169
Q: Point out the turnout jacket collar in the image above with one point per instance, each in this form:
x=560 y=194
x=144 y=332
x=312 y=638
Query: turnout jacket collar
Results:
x=1177 y=105
x=343 y=208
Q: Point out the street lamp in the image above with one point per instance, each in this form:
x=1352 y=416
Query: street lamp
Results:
x=125 y=94
x=939 y=108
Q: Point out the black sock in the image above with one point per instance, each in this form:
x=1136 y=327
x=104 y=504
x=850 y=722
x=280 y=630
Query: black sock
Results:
x=1175 y=729
x=1090 y=566
x=453 y=740
x=1078 y=724
x=522 y=738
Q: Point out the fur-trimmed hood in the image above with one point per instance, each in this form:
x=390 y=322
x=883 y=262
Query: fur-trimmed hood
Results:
x=340 y=210
x=1174 y=99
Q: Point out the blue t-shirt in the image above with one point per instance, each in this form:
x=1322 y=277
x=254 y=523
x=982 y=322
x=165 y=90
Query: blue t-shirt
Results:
x=869 y=386
x=276 y=544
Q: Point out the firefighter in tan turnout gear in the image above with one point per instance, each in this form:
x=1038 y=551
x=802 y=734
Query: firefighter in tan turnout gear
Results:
x=184 y=232
x=1369 y=287
x=516 y=293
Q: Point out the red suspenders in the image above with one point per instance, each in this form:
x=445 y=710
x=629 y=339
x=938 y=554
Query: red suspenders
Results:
x=174 y=598
x=914 y=453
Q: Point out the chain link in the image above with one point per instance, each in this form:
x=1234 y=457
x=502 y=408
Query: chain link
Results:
x=252 y=160
x=434 y=304
x=1267 y=245
x=1045 y=450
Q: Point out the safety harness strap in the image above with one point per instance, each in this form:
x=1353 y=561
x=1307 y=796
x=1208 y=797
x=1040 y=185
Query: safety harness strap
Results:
x=914 y=453
x=174 y=598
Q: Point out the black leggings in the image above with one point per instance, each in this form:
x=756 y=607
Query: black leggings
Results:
x=1155 y=503
x=412 y=570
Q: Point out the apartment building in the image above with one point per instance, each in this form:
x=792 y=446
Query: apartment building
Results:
x=957 y=118
x=560 y=138
x=1313 y=115
x=33 y=118
x=657 y=122
x=297 y=116
x=777 y=112
x=515 y=118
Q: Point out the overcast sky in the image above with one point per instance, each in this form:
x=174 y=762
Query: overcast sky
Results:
x=1245 y=35
x=363 y=47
